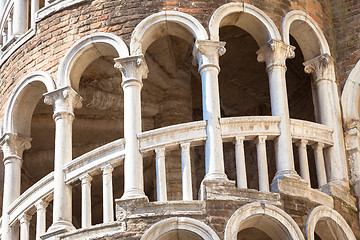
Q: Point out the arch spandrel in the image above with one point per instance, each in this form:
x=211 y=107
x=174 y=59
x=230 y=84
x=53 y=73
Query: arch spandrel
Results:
x=86 y=50
x=23 y=101
x=247 y=17
x=157 y=25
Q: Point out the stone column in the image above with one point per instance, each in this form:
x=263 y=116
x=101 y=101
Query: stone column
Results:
x=64 y=101
x=41 y=206
x=241 y=178
x=207 y=54
x=186 y=172
x=275 y=53
x=160 y=175
x=108 y=198
x=262 y=163
x=13 y=147
x=24 y=226
x=20 y=17
x=34 y=9
x=86 y=200
x=133 y=70
x=322 y=68
x=303 y=160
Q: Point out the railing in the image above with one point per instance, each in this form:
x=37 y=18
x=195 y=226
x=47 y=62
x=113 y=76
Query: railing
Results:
x=6 y=24
x=183 y=136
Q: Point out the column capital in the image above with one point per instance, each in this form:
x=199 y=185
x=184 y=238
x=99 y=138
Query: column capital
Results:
x=260 y=139
x=275 y=53
x=185 y=146
x=24 y=218
x=85 y=179
x=160 y=152
x=13 y=146
x=41 y=205
x=64 y=100
x=133 y=69
x=320 y=66
x=206 y=53
x=302 y=143
x=107 y=169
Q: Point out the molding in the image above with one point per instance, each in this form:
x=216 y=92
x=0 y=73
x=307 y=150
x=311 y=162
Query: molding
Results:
x=56 y=6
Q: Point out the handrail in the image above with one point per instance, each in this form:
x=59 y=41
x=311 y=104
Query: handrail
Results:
x=313 y=132
x=40 y=190
x=7 y=9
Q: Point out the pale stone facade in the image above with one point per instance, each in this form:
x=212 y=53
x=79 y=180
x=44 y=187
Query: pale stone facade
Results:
x=179 y=131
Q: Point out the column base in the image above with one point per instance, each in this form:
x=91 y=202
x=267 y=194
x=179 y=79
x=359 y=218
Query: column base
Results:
x=133 y=194
x=284 y=174
x=339 y=190
x=57 y=228
x=221 y=177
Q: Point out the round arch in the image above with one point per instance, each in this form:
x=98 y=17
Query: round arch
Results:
x=254 y=21
x=339 y=227
x=305 y=30
x=157 y=25
x=86 y=50
x=23 y=101
x=276 y=223
x=180 y=223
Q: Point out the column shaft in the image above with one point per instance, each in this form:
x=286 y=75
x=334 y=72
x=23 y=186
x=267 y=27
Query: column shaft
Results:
x=86 y=201
x=303 y=160
x=320 y=164
x=108 y=199
x=24 y=226
x=240 y=163
x=186 y=172
x=20 y=17
x=262 y=164
x=40 y=218
x=161 y=175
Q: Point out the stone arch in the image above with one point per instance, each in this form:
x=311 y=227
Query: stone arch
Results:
x=254 y=21
x=180 y=223
x=157 y=25
x=86 y=50
x=336 y=224
x=305 y=30
x=276 y=223
x=23 y=101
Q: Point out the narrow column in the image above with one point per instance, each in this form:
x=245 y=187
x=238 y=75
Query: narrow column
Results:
x=262 y=163
x=10 y=27
x=207 y=54
x=24 y=226
x=320 y=165
x=34 y=9
x=4 y=38
x=133 y=70
x=41 y=206
x=240 y=162
x=13 y=147
x=20 y=17
x=108 y=199
x=322 y=68
x=161 y=175
x=303 y=160
x=275 y=54
x=186 y=172
x=86 y=200
x=64 y=101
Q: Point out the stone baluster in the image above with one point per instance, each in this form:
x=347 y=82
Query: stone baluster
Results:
x=186 y=172
x=207 y=54
x=240 y=162
x=24 y=220
x=275 y=53
x=10 y=27
x=13 y=147
x=108 y=199
x=322 y=68
x=85 y=200
x=133 y=70
x=320 y=164
x=4 y=38
x=20 y=17
x=262 y=163
x=41 y=206
x=161 y=175
x=303 y=160
x=64 y=100
x=34 y=9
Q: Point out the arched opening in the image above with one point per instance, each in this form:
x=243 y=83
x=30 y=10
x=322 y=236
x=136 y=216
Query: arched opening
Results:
x=252 y=233
x=179 y=235
x=171 y=94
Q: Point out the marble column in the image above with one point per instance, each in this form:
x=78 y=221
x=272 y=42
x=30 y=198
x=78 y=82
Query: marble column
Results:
x=64 y=101
x=207 y=54
x=322 y=68
x=133 y=70
x=34 y=9
x=24 y=220
x=274 y=54
x=85 y=200
x=20 y=17
x=108 y=195
x=41 y=206
x=13 y=147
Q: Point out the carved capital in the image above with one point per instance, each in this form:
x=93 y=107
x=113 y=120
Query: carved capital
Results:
x=25 y=218
x=275 y=53
x=206 y=53
x=133 y=69
x=41 y=205
x=14 y=145
x=320 y=66
x=107 y=169
x=86 y=179
x=64 y=100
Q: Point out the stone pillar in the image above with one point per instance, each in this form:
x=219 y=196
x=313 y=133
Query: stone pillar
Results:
x=319 y=162
x=275 y=53
x=64 y=101
x=41 y=206
x=322 y=68
x=20 y=17
x=108 y=198
x=86 y=200
x=186 y=172
x=241 y=179
x=303 y=160
x=161 y=175
x=24 y=220
x=207 y=54
x=133 y=70
x=34 y=9
x=262 y=163
x=13 y=147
